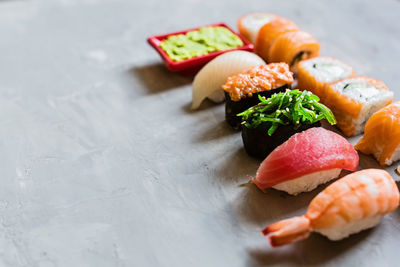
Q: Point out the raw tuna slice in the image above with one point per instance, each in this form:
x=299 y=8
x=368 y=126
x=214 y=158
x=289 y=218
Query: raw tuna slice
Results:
x=306 y=160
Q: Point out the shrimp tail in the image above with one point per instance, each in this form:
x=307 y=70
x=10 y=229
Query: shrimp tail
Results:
x=288 y=231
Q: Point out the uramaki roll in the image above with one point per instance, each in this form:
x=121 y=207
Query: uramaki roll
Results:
x=354 y=100
x=317 y=73
x=292 y=47
x=269 y=32
x=250 y=24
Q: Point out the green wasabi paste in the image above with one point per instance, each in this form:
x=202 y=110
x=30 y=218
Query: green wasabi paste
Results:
x=200 y=42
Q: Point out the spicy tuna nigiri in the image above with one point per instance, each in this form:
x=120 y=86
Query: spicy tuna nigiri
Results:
x=354 y=203
x=306 y=160
x=382 y=135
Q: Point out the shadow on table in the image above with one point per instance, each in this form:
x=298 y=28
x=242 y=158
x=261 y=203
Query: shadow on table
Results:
x=236 y=167
x=211 y=125
x=157 y=78
x=215 y=131
x=315 y=250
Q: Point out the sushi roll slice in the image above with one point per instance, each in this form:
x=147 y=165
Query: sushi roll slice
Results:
x=272 y=121
x=316 y=73
x=382 y=135
x=350 y=205
x=242 y=90
x=354 y=100
x=269 y=32
x=207 y=83
x=306 y=160
x=250 y=24
x=292 y=47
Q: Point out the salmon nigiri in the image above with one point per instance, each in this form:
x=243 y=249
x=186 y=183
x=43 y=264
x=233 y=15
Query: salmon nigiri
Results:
x=306 y=160
x=292 y=47
x=382 y=135
x=354 y=203
x=269 y=32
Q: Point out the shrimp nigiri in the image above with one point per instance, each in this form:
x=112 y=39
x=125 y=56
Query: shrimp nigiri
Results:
x=354 y=203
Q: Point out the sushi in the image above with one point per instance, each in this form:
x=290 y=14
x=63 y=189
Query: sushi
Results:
x=306 y=160
x=208 y=82
x=250 y=24
x=269 y=32
x=316 y=73
x=354 y=203
x=382 y=135
x=272 y=121
x=242 y=90
x=354 y=100
x=292 y=47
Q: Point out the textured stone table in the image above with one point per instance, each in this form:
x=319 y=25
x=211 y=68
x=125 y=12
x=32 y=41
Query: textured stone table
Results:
x=103 y=163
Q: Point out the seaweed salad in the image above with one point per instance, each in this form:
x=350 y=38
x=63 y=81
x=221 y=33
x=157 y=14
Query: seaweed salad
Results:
x=273 y=120
x=291 y=107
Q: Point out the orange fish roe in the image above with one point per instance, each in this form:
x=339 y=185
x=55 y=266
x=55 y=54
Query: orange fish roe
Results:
x=258 y=79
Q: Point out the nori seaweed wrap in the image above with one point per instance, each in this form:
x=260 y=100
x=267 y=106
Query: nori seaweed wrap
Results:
x=259 y=144
x=232 y=108
x=272 y=121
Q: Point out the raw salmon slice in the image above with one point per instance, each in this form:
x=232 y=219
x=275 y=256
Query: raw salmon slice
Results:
x=382 y=135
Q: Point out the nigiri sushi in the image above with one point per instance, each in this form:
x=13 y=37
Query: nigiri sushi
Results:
x=242 y=90
x=382 y=135
x=316 y=73
x=272 y=121
x=354 y=203
x=306 y=160
x=208 y=82
x=354 y=100
x=250 y=24
x=292 y=47
x=269 y=32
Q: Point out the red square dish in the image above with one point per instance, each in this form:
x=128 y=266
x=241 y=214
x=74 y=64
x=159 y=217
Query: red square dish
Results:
x=192 y=65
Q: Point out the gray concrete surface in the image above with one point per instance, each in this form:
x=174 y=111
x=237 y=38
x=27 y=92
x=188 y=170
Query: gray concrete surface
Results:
x=103 y=164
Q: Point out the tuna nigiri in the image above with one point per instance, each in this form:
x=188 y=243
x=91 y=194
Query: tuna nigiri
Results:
x=354 y=203
x=382 y=135
x=250 y=24
x=292 y=47
x=306 y=160
x=212 y=76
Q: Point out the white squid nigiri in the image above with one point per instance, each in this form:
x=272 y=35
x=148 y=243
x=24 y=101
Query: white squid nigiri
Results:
x=212 y=76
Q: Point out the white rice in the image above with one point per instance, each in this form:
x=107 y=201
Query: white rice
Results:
x=329 y=70
x=254 y=22
x=343 y=231
x=307 y=182
x=395 y=156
